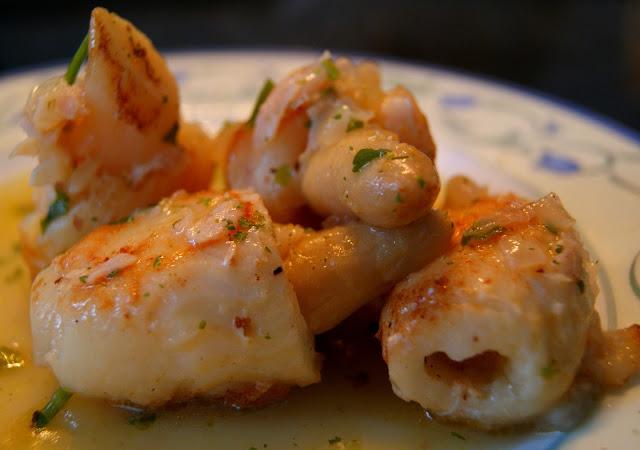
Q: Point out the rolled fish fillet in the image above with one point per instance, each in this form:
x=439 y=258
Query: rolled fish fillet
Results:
x=186 y=299
x=493 y=333
x=336 y=271
x=106 y=143
x=370 y=175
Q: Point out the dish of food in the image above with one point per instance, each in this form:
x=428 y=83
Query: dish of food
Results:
x=216 y=270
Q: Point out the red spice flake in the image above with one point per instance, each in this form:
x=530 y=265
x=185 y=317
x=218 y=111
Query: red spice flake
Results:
x=244 y=323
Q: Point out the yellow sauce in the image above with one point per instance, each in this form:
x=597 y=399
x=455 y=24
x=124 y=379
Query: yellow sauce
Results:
x=353 y=408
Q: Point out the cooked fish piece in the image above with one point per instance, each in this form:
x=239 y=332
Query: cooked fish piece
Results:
x=371 y=175
x=399 y=112
x=336 y=271
x=186 y=299
x=272 y=169
x=106 y=141
x=493 y=333
x=613 y=356
x=309 y=112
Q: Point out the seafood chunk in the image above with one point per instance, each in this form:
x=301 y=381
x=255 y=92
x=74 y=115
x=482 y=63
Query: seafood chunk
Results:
x=494 y=332
x=107 y=143
x=369 y=174
x=336 y=271
x=186 y=299
x=318 y=109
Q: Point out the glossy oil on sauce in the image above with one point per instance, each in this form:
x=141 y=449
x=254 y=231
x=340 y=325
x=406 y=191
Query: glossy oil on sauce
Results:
x=353 y=408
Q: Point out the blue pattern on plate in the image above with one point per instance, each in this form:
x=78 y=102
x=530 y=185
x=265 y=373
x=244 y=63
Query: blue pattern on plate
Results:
x=457 y=101
x=558 y=163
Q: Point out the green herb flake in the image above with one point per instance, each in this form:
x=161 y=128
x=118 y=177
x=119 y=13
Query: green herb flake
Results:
x=42 y=417
x=10 y=359
x=335 y=440
x=206 y=201
x=458 y=435
x=267 y=249
x=142 y=419
x=365 y=156
x=399 y=198
x=580 y=284
x=400 y=157
x=77 y=60
x=239 y=236
x=14 y=276
x=157 y=261
x=332 y=71
x=551 y=228
x=283 y=175
x=83 y=278
x=267 y=336
x=266 y=89
x=171 y=135
x=337 y=116
x=481 y=231
x=113 y=273
x=146 y=295
x=559 y=249
x=549 y=371
x=354 y=124
x=421 y=182
x=125 y=219
x=58 y=208
x=202 y=325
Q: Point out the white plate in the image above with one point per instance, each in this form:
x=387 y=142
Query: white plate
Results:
x=506 y=137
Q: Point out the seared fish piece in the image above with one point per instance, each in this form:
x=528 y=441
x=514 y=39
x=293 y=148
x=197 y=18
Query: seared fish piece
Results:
x=336 y=271
x=494 y=332
x=107 y=142
x=186 y=299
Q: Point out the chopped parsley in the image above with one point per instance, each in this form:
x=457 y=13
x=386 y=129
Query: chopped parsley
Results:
x=354 y=124
x=83 y=278
x=580 y=285
x=77 y=60
x=400 y=157
x=559 y=249
x=458 y=435
x=481 y=231
x=551 y=228
x=125 y=219
x=58 y=208
x=206 y=201
x=267 y=249
x=335 y=440
x=365 y=156
x=239 y=236
x=399 y=198
x=266 y=89
x=171 y=135
x=283 y=175
x=267 y=336
x=202 y=325
x=332 y=71
x=549 y=371
x=142 y=419
x=14 y=276
x=43 y=416
x=10 y=359
x=113 y=273
x=157 y=261
x=421 y=182
x=337 y=116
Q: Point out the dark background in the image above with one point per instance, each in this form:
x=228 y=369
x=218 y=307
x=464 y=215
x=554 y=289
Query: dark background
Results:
x=587 y=52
